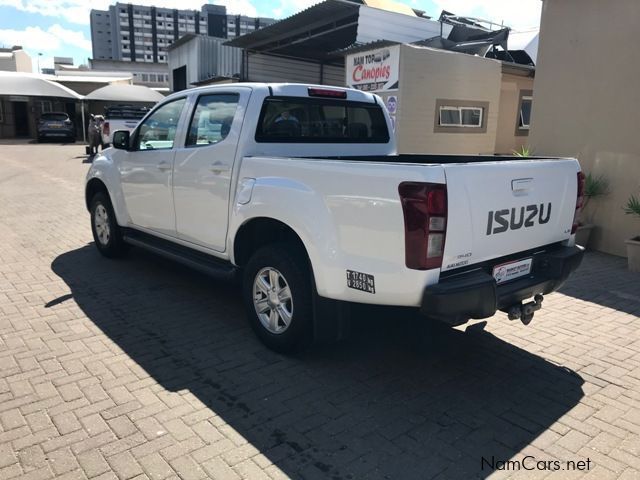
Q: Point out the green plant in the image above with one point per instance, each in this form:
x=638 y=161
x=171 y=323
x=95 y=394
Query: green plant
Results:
x=523 y=151
x=594 y=186
x=633 y=206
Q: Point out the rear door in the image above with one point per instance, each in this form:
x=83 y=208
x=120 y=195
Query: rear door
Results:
x=502 y=208
x=203 y=167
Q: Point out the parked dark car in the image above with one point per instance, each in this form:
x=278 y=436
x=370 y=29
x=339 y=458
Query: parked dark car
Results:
x=56 y=125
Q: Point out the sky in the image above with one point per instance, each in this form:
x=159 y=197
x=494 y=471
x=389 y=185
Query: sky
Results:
x=61 y=27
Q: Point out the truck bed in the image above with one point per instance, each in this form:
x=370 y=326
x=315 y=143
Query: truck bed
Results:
x=433 y=159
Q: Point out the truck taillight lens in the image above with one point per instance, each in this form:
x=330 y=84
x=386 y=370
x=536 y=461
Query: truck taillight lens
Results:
x=105 y=128
x=425 y=223
x=579 y=202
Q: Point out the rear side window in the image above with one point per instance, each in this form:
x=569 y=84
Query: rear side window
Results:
x=312 y=120
x=212 y=119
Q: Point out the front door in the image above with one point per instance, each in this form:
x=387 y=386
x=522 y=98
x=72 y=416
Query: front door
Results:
x=203 y=167
x=146 y=171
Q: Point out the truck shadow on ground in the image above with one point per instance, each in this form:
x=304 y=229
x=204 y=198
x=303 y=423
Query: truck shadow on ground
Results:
x=392 y=402
x=605 y=280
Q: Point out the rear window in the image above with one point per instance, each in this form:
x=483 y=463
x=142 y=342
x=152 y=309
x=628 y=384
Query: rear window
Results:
x=313 y=120
x=56 y=117
x=125 y=112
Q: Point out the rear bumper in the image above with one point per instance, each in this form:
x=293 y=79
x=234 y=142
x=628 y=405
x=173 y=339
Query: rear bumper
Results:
x=476 y=294
x=56 y=133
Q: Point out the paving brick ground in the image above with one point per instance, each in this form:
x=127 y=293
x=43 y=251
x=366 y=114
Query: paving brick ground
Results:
x=143 y=369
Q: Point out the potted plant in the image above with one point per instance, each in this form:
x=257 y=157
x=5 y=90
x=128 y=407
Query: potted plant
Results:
x=594 y=187
x=633 y=244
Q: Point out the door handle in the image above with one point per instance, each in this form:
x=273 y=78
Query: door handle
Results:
x=218 y=167
x=164 y=166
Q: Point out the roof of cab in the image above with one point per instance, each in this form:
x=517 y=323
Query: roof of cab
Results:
x=281 y=89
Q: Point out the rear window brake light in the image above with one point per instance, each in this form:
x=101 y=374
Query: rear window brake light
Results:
x=326 y=92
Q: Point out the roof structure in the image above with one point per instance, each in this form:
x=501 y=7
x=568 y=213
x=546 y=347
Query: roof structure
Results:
x=125 y=93
x=33 y=85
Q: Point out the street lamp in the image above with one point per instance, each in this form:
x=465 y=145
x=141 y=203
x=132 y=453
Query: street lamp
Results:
x=39 y=55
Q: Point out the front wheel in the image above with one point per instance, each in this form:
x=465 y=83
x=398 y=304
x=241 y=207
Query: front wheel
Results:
x=277 y=294
x=106 y=232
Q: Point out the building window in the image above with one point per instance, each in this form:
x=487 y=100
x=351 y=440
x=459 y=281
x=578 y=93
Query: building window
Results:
x=524 y=112
x=1 y=111
x=46 y=106
x=460 y=116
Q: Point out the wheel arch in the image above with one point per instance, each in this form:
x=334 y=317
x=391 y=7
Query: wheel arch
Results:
x=95 y=185
x=258 y=232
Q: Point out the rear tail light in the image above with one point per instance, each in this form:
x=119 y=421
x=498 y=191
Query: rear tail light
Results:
x=327 y=92
x=105 y=128
x=425 y=223
x=579 y=202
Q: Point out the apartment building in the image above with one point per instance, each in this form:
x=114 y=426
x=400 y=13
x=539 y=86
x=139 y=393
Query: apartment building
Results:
x=136 y=33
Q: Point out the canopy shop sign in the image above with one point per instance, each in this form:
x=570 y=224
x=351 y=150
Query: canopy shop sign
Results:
x=374 y=71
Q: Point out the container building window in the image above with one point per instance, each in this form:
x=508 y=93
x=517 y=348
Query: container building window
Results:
x=524 y=119
x=451 y=116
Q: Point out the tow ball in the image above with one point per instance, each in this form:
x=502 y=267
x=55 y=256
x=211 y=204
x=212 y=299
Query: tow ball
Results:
x=525 y=311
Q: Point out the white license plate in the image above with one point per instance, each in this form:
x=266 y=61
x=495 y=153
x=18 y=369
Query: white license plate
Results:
x=511 y=270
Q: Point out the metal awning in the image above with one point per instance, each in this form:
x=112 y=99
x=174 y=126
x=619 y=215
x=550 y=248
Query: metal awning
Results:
x=316 y=31
x=33 y=85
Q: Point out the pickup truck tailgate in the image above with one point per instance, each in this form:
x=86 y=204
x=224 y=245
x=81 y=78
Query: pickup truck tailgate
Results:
x=504 y=207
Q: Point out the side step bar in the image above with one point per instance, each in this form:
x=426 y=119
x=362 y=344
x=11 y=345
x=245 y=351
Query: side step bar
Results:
x=207 y=264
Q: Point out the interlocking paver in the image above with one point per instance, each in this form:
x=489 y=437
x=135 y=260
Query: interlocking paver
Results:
x=141 y=369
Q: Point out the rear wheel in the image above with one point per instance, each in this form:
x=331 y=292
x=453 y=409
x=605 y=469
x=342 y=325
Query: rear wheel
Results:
x=107 y=235
x=277 y=294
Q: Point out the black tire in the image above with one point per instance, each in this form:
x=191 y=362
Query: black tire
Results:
x=294 y=270
x=110 y=245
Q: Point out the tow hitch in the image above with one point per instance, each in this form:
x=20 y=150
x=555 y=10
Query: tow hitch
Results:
x=525 y=311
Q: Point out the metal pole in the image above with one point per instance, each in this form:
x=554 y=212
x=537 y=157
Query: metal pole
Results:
x=84 y=123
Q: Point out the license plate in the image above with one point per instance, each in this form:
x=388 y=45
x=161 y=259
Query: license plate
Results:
x=511 y=270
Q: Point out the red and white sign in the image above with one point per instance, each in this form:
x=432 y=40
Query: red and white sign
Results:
x=374 y=71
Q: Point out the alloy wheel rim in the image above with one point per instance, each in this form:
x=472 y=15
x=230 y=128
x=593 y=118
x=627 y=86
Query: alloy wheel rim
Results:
x=272 y=300
x=101 y=222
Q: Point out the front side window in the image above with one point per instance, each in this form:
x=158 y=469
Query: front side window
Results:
x=313 y=120
x=158 y=131
x=212 y=119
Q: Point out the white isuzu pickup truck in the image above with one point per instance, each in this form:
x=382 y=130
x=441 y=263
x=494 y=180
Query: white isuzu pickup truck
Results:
x=299 y=189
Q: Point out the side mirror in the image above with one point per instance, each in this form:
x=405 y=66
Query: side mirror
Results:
x=121 y=139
